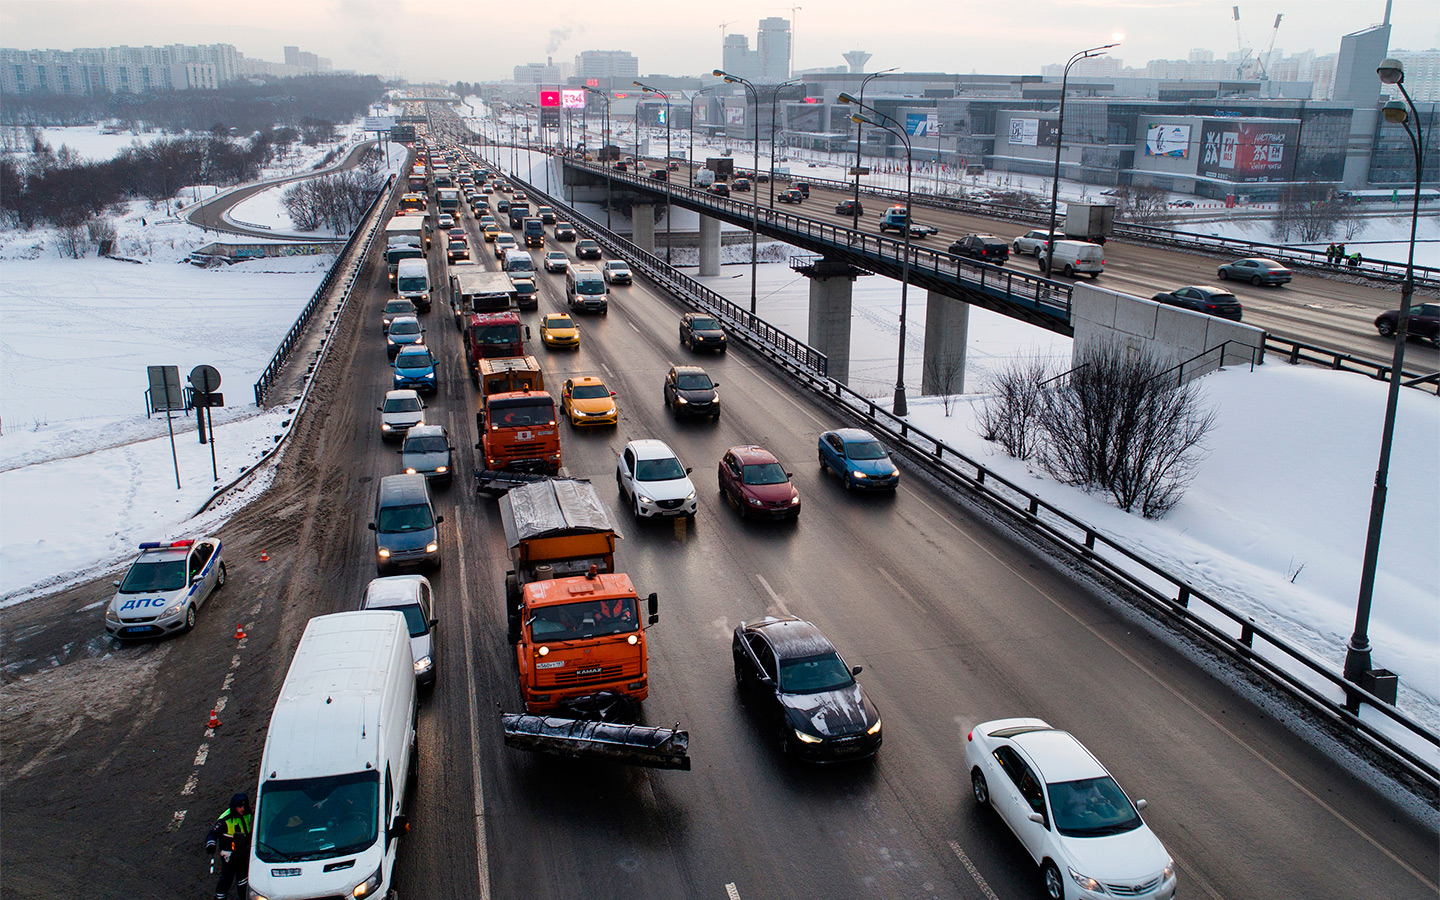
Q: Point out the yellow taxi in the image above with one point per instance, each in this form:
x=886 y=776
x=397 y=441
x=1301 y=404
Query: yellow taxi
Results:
x=491 y=233
x=587 y=401
x=558 y=330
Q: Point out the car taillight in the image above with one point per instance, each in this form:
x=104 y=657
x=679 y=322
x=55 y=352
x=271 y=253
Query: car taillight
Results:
x=969 y=736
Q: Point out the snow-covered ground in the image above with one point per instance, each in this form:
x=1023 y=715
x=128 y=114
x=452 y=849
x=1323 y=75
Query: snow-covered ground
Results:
x=91 y=142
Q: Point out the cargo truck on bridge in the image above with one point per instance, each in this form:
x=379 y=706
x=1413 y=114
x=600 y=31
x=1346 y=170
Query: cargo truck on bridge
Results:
x=1091 y=222
x=474 y=290
x=492 y=336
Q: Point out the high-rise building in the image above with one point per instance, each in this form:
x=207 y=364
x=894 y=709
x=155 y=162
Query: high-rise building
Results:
x=739 y=59
x=537 y=73
x=603 y=64
x=1422 y=76
x=1360 y=53
x=773 y=45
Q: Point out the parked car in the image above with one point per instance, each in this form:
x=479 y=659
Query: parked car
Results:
x=653 y=481
x=849 y=208
x=1203 y=298
x=587 y=249
x=165 y=587
x=800 y=687
x=1257 y=270
x=720 y=189
x=702 y=331
x=1071 y=817
x=616 y=271
x=400 y=306
x=985 y=248
x=414 y=367
x=1031 y=242
x=564 y=231
x=556 y=261
x=427 y=451
x=689 y=391
x=413 y=597
x=753 y=480
x=587 y=401
x=1423 y=320
x=401 y=411
x=404 y=331
x=859 y=459
x=558 y=330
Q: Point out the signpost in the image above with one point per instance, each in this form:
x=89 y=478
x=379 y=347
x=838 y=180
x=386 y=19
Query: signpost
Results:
x=204 y=383
x=165 y=393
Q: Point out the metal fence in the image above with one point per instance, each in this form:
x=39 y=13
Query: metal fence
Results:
x=1295 y=353
x=1169 y=597
x=292 y=337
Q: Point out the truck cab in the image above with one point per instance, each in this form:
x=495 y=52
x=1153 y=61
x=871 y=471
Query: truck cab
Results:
x=518 y=432
x=518 y=211
x=493 y=336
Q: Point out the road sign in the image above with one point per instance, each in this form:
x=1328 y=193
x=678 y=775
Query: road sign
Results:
x=165 y=393
x=209 y=400
x=205 y=379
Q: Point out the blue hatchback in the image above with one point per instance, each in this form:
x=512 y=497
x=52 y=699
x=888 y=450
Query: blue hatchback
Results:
x=415 y=369
x=859 y=459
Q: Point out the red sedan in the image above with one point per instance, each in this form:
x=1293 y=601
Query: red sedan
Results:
x=753 y=479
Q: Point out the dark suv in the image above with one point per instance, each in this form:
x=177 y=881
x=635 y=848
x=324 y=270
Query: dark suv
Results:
x=983 y=247
x=849 y=208
x=1422 y=321
x=690 y=392
x=702 y=331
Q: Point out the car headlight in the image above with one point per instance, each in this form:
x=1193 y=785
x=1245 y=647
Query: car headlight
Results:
x=795 y=500
x=644 y=499
x=874 y=729
x=430 y=375
x=366 y=887
x=173 y=610
x=690 y=496
x=1169 y=872
x=432 y=547
x=858 y=474
x=807 y=738
x=441 y=470
x=383 y=553
x=1086 y=882
x=384 y=426
x=423 y=664
x=895 y=473
x=111 y=615
x=389 y=340
x=681 y=400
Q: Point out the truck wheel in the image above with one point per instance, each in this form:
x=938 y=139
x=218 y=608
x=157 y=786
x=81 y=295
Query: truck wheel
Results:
x=512 y=590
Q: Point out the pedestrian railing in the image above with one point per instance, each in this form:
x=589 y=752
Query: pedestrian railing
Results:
x=1295 y=353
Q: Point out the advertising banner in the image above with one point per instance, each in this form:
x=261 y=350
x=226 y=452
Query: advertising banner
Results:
x=572 y=98
x=1167 y=140
x=734 y=115
x=702 y=113
x=1248 y=152
x=1032 y=132
x=921 y=124
x=549 y=98
x=379 y=123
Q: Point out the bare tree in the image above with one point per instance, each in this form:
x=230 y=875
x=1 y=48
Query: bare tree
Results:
x=1311 y=211
x=70 y=241
x=1116 y=425
x=1010 y=414
x=945 y=380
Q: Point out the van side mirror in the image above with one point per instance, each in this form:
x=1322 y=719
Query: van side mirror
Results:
x=439 y=520
x=688 y=470
x=654 y=601
x=399 y=826
x=434 y=623
x=1036 y=818
x=116 y=583
x=1141 y=804
x=856 y=670
x=371 y=526
x=714 y=384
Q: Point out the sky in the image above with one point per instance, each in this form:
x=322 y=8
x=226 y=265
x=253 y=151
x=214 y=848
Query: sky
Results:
x=477 y=42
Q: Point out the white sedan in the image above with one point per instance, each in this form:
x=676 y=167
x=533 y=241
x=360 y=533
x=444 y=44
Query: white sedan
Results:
x=1070 y=815
x=653 y=481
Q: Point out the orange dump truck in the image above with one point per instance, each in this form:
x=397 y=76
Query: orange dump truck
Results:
x=518 y=432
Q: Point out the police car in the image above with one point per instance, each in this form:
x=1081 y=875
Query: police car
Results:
x=165 y=587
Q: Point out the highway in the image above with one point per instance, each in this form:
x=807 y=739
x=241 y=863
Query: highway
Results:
x=955 y=621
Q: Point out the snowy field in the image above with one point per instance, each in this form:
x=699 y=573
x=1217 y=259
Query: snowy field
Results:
x=92 y=144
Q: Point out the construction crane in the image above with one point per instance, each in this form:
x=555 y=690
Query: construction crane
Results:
x=1265 y=60
x=1243 y=50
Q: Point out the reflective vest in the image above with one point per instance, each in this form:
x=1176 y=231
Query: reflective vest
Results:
x=234 y=831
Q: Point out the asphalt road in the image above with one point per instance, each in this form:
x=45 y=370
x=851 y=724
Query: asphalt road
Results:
x=954 y=621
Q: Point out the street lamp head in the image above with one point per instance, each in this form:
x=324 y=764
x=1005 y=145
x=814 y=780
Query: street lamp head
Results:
x=1395 y=113
x=860 y=120
x=719 y=73
x=1391 y=71
x=845 y=97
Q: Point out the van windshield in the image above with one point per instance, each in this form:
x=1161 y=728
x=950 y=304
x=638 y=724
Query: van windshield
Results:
x=317 y=818
x=589 y=286
x=522 y=264
x=413 y=284
x=400 y=519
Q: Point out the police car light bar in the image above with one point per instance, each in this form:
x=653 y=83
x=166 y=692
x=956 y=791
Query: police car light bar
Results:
x=156 y=545
x=185 y=543
x=150 y=545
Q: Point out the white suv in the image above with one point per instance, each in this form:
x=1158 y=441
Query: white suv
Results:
x=653 y=481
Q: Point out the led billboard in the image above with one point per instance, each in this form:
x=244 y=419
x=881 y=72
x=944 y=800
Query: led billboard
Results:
x=1167 y=140
x=1248 y=151
x=573 y=98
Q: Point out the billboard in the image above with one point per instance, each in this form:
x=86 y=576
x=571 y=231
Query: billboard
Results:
x=702 y=113
x=550 y=117
x=549 y=98
x=1167 y=140
x=1032 y=132
x=921 y=124
x=573 y=98
x=1248 y=152
x=592 y=82
x=734 y=115
x=379 y=123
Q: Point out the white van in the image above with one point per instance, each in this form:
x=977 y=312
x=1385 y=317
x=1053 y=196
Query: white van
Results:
x=337 y=760
x=1072 y=257
x=412 y=282
x=518 y=262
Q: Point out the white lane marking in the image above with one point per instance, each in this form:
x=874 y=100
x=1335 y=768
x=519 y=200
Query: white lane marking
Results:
x=896 y=585
x=1143 y=669
x=220 y=704
x=632 y=327
x=974 y=872
x=482 y=853
x=793 y=402
x=190 y=784
x=774 y=597
x=732 y=891
x=229 y=680
x=201 y=754
x=235 y=661
x=177 y=819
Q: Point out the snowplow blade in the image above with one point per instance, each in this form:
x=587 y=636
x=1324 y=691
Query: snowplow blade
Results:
x=636 y=745
x=494 y=481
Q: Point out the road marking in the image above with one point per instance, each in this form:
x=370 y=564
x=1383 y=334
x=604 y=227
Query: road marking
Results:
x=896 y=585
x=482 y=854
x=779 y=604
x=1143 y=669
x=229 y=680
x=220 y=704
x=732 y=891
x=177 y=819
x=201 y=755
x=235 y=661
x=793 y=402
x=190 y=784
x=974 y=872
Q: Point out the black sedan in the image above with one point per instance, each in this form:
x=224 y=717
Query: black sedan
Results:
x=1203 y=298
x=1423 y=320
x=587 y=249
x=849 y=208
x=803 y=690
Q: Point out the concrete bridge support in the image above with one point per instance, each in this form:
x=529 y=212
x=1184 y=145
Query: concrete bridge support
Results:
x=709 y=246
x=642 y=220
x=947 y=327
x=831 y=287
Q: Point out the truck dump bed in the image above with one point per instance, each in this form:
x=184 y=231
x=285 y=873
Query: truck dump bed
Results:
x=554 y=508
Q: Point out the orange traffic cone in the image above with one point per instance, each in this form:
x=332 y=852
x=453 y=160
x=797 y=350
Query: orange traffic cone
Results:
x=264 y=557
x=214 y=720
x=239 y=632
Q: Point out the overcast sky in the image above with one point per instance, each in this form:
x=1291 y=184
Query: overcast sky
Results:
x=462 y=40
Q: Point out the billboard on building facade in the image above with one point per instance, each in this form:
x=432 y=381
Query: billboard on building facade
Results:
x=549 y=98
x=1167 y=140
x=734 y=115
x=1032 y=132
x=921 y=124
x=702 y=113
x=572 y=98
x=1248 y=151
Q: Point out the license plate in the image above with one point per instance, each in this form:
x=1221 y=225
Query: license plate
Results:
x=139 y=629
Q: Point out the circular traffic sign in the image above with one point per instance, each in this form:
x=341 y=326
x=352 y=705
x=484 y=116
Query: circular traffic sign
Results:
x=205 y=379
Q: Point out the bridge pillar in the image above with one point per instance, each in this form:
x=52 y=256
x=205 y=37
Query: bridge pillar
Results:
x=831 y=287
x=709 y=246
x=947 y=327
x=642 y=219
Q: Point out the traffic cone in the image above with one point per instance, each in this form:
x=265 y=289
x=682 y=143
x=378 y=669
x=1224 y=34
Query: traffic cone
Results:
x=214 y=720
x=239 y=632
x=264 y=557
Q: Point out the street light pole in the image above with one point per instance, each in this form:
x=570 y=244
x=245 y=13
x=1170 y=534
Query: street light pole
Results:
x=855 y=210
x=1357 y=652
x=650 y=90
x=774 y=102
x=1059 y=141
x=605 y=150
x=691 y=154
x=754 y=192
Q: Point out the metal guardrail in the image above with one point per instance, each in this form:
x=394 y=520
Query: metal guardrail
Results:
x=1253 y=647
x=1296 y=353
x=282 y=353
x=1050 y=300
